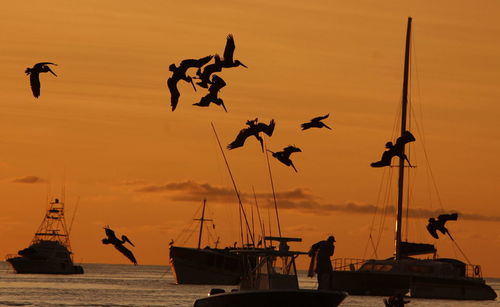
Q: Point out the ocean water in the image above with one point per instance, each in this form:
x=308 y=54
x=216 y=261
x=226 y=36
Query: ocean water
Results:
x=145 y=285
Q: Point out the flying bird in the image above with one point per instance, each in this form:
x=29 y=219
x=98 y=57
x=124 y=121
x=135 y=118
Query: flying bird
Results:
x=228 y=60
x=118 y=244
x=254 y=128
x=395 y=150
x=208 y=70
x=284 y=155
x=34 y=73
x=316 y=123
x=438 y=224
x=213 y=94
x=179 y=73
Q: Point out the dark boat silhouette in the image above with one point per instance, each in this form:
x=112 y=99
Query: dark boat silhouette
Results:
x=435 y=278
x=50 y=250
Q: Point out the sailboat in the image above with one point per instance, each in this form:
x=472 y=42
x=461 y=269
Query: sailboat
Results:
x=269 y=279
x=436 y=278
x=50 y=250
x=207 y=266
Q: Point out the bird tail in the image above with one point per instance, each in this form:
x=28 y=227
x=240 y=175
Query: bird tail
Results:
x=305 y=126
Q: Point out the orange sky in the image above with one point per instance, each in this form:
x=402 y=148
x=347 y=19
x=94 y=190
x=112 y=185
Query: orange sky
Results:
x=104 y=125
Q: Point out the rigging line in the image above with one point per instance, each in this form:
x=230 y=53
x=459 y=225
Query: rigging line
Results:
x=74 y=214
x=386 y=205
x=461 y=251
x=375 y=213
x=272 y=187
x=235 y=188
x=261 y=224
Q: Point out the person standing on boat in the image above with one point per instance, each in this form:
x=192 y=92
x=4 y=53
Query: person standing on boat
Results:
x=321 y=252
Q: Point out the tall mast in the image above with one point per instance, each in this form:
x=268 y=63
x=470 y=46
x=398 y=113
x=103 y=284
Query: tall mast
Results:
x=404 y=105
x=202 y=219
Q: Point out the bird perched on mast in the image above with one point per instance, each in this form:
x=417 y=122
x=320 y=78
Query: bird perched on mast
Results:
x=284 y=155
x=254 y=128
x=118 y=244
x=316 y=123
x=34 y=73
x=213 y=94
x=179 y=73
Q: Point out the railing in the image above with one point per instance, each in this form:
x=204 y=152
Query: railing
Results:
x=347 y=264
x=473 y=271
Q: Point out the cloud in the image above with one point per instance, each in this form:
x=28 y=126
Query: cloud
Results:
x=28 y=179
x=299 y=199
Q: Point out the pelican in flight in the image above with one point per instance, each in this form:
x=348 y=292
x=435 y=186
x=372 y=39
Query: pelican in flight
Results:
x=228 y=60
x=316 y=123
x=34 y=73
x=395 y=150
x=208 y=70
x=118 y=244
x=284 y=155
x=254 y=128
x=438 y=224
x=179 y=73
x=213 y=94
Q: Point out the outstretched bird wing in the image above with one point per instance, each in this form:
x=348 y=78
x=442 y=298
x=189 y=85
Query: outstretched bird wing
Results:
x=448 y=217
x=126 y=239
x=267 y=129
x=174 y=93
x=39 y=65
x=110 y=233
x=217 y=84
x=229 y=50
x=287 y=151
x=35 y=83
x=126 y=252
x=240 y=138
x=185 y=64
x=317 y=119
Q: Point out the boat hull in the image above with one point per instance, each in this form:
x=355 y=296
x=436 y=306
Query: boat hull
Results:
x=204 y=266
x=274 y=298
x=386 y=284
x=32 y=266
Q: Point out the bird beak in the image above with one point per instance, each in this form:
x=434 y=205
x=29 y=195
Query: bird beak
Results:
x=243 y=65
x=224 y=106
x=52 y=72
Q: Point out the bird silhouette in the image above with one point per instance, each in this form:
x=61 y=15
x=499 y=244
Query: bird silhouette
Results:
x=34 y=73
x=228 y=60
x=284 y=155
x=316 y=123
x=118 y=244
x=208 y=70
x=254 y=128
x=435 y=225
x=395 y=150
x=213 y=94
x=179 y=73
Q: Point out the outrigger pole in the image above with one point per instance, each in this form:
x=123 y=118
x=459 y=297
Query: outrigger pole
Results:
x=242 y=210
x=272 y=187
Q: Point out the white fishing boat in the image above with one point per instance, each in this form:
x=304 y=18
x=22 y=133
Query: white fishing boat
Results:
x=440 y=278
x=50 y=250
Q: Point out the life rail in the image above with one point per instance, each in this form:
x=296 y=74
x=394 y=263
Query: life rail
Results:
x=347 y=264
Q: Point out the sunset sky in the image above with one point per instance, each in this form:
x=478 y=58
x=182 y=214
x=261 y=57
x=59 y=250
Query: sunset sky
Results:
x=105 y=130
